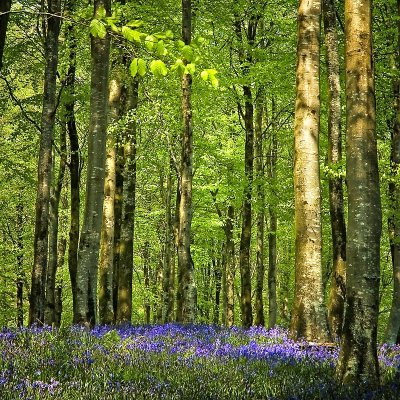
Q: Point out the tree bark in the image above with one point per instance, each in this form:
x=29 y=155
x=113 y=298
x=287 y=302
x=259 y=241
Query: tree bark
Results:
x=55 y=195
x=90 y=236
x=393 y=326
x=260 y=195
x=358 y=361
x=39 y=269
x=20 y=263
x=125 y=261
x=185 y=262
x=337 y=291
x=273 y=226
x=308 y=315
x=146 y=274
x=5 y=7
x=230 y=268
x=106 y=263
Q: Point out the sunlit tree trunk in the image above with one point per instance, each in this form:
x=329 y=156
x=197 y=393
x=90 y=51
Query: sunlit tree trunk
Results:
x=308 y=315
x=273 y=225
x=125 y=257
x=55 y=195
x=106 y=262
x=89 y=242
x=185 y=262
x=393 y=326
x=259 y=172
x=5 y=6
x=338 y=226
x=39 y=269
x=358 y=361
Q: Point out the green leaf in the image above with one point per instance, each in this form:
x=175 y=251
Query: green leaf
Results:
x=158 y=68
x=190 y=68
x=169 y=34
x=114 y=27
x=142 y=67
x=204 y=75
x=149 y=42
x=160 y=48
x=187 y=52
x=100 y=13
x=97 y=29
x=214 y=81
x=180 y=44
x=132 y=35
x=135 y=23
x=133 y=68
x=179 y=66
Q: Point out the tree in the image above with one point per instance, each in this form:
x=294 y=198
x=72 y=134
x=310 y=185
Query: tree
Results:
x=338 y=226
x=5 y=7
x=358 y=361
x=308 y=314
x=37 y=296
x=185 y=261
x=393 y=326
x=85 y=312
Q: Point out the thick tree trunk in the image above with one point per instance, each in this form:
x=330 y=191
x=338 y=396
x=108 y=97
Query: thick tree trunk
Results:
x=358 y=361
x=37 y=296
x=273 y=226
x=106 y=263
x=90 y=236
x=5 y=6
x=393 y=327
x=125 y=257
x=185 y=262
x=55 y=195
x=260 y=195
x=308 y=315
x=338 y=226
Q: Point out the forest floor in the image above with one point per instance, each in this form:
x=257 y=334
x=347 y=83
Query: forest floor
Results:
x=176 y=362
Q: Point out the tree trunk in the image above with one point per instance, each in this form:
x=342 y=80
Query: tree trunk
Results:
x=358 y=361
x=245 y=60
x=146 y=274
x=273 y=225
x=125 y=261
x=185 y=262
x=37 y=296
x=74 y=162
x=308 y=315
x=106 y=263
x=20 y=264
x=217 y=300
x=61 y=249
x=230 y=268
x=55 y=195
x=260 y=195
x=393 y=327
x=5 y=7
x=90 y=236
x=167 y=300
x=338 y=226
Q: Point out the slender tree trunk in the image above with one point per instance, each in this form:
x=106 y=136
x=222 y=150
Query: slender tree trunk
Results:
x=106 y=263
x=146 y=273
x=90 y=236
x=39 y=269
x=393 y=327
x=338 y=226
x=167 y=300
x=74 y=162
x=245 y=60
x=230 y=268
x=55 y=195
x=179 y=292
x=5 y=6
x=217 y=300
x=308 y=315
x=20 y=263
x=61 y=250
x=358 y=361
x=185 y=262
x=259 y=172
x=273 y=226
x=125 y=262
